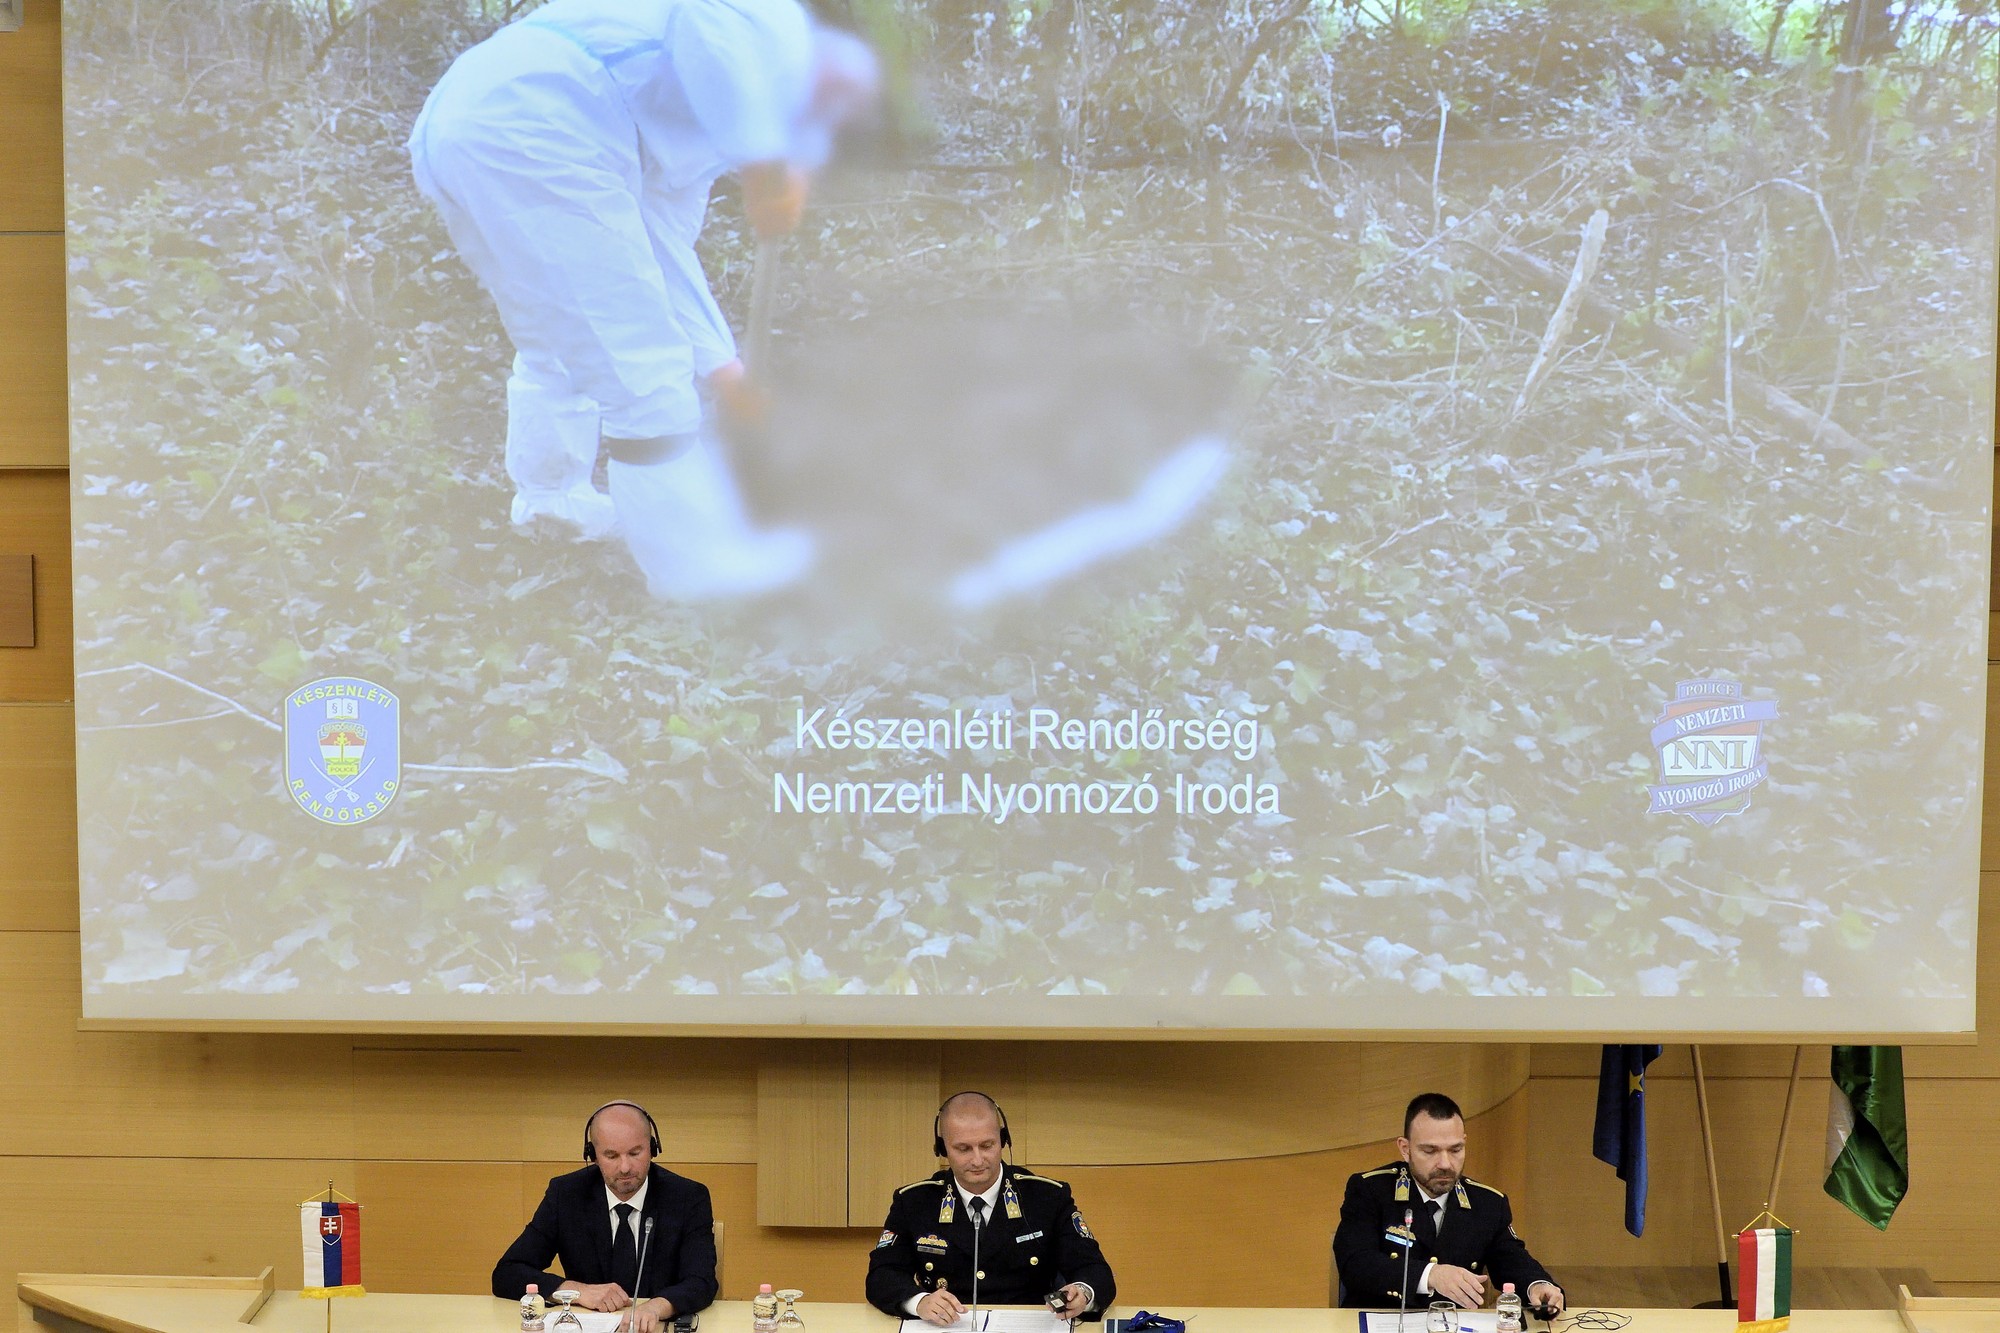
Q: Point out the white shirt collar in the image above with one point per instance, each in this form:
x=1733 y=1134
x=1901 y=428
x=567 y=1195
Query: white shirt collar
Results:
x=991 y=1194
x=638 y=1202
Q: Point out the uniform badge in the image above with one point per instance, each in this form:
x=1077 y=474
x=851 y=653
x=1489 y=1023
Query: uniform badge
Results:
x=932 y=1244
x=1464 y=1199
x=947 y=1206
x=888 y=1239
x=1010 y=1202
x=1400 y=1235
x=1403 y=1184
x=343 y=749
x=1082 y=1229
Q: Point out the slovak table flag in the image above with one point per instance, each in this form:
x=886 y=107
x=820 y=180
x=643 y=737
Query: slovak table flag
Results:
x=330 y=1236
x=1764 y=1267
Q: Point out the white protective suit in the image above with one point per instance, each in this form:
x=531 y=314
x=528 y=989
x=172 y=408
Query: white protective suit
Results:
x=571 y=156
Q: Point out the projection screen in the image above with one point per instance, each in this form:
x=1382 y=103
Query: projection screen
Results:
x=1286 y=515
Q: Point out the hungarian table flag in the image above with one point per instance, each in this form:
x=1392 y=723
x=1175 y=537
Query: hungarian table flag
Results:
x=330 y=1235
x=1764 y=1266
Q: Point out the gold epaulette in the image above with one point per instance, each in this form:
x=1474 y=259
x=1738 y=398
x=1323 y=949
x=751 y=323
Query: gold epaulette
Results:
x=1381 y=1171
x=918 y=1184
x=1482 y=1185
x=1046 y=1180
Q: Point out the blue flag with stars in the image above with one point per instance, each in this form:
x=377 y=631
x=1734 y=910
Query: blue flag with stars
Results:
x=1620 y=1135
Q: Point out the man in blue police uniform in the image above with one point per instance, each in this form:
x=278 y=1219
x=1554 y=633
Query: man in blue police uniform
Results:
x=1460 y=1239
x=1030 y=1238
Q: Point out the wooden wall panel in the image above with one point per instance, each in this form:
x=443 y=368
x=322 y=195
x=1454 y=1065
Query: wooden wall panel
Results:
x=1933 y=1229
x=1140 y=1102
x=34 y=392
x=99 y=1212
x=37 y=817
x=438 y=1225
x=892 y=1087
x=802 y=1134
x=34 y=517
x=527 y=1100
x=187 y=1095
x=31 y=112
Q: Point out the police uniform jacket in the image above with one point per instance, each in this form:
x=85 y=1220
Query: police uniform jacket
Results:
x=1478 y=1234
x=1028 y=1249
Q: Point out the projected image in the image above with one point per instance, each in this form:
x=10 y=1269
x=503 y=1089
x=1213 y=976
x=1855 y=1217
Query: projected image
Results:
x=1278 y=514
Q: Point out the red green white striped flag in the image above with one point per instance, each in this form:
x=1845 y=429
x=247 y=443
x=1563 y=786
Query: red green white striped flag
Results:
x=1764 y=1268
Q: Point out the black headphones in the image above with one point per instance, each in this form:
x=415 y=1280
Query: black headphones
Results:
x=937 y=1121
x=590 y=1149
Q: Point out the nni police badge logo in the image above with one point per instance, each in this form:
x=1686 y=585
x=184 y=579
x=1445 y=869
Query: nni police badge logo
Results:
x=343 y=749
x=1710 y=741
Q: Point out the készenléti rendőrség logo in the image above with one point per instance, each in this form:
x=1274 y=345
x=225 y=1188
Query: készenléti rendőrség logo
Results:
x=343 y=749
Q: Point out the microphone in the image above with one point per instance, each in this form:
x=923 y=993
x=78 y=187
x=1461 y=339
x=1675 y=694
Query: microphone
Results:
x=639 y=1275
x=1409 y=1243
x=978 y=1229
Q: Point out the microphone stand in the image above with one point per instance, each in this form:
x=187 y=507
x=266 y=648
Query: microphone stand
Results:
x=978 y=1229
x=1409 y=1243
x=639 y=1277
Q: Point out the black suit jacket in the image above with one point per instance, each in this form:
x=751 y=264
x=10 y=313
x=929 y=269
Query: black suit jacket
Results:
x=573 y=1225
x=1022 y=1259
x=1478 y=1234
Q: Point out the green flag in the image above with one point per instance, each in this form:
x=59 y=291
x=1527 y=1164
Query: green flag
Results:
x=1867 y=1136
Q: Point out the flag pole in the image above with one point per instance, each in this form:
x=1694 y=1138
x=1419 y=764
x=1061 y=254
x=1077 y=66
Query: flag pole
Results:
x=1785 y=1128
x=329 y=1303
x=1714 y=1189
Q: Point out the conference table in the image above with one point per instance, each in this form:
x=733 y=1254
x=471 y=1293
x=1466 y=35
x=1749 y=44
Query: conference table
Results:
x=86 y=1303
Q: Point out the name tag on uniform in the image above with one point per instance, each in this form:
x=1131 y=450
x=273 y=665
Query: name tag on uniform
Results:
x=1032 y=1235
x=932 y=1244
x=1399 y=1236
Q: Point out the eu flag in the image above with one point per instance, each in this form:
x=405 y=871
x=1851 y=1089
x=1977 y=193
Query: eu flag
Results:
x=1620 y=1135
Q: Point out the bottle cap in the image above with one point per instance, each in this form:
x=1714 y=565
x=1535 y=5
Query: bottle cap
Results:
x=1507 y=1287
x=764 y=1289
x=533 y=1290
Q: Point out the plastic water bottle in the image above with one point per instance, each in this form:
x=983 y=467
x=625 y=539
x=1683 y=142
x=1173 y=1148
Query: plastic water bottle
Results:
x=764 y=1311
x=531 y=1310
x=1509 y=1309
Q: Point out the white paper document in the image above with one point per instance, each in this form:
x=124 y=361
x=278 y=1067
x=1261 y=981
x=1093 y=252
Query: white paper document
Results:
x=1006 y=1320
x=594 y=1321
x=1464 y=1321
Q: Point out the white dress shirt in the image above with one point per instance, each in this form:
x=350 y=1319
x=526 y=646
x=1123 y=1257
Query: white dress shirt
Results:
x=611 y=1202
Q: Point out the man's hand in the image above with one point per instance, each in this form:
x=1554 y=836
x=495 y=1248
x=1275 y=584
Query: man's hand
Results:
x=1076 y=1302
x=1545 y=1294
x=1461 y=1286
x=599 y=1295
x=774 y=198
x=940 y=1308
x=738 y=401
x=648 y=1316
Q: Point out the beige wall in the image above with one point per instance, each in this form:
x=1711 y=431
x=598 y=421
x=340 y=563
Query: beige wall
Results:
x=1210 y=1171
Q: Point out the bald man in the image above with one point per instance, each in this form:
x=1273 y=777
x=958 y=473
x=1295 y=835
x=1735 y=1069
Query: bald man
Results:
x=600 y=1221
x=1032 y=1243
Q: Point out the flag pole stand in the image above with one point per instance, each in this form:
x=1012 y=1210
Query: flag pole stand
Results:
x=1728 y=1301
x=1784 y=1130
x=329 y=1302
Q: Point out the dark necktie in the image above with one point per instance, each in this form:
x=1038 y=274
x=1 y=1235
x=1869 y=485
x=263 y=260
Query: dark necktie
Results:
x=1437 y=1216
x=978 y=1207
x=625 y=1252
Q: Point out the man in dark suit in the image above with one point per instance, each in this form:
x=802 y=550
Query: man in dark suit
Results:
x=1031 y=1238
x=598 y=1220
x=1460 y=1239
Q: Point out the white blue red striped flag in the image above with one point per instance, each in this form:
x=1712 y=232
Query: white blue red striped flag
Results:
x=330 y=1238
